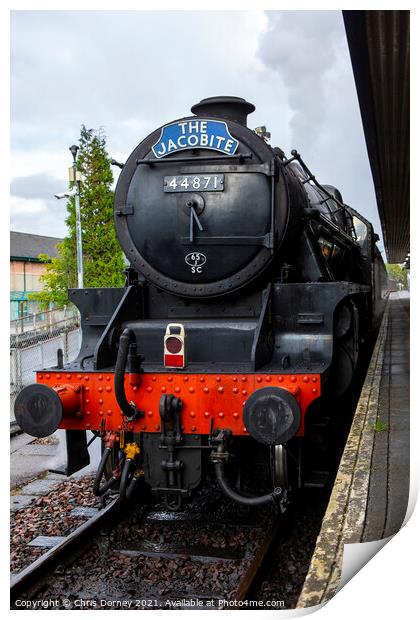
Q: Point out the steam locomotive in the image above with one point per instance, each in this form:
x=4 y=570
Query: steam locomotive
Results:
x=250 y=292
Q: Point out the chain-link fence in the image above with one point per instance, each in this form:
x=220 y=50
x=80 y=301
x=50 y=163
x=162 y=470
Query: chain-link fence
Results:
x=34 y=341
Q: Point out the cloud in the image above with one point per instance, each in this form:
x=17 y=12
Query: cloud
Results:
x=33 y=207
x=23 y=206
x=132 y=71
x=37 y=216
x=128 y=72
x=42 y=186
x=125 y=65
x=33 y=157
x=37 y=175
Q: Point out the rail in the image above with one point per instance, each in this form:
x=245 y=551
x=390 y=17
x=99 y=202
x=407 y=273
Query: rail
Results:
x=247 y=583
x=72 y=544
x=233 y=560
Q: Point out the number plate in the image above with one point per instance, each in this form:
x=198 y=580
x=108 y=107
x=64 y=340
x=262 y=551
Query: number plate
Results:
x=194 y=183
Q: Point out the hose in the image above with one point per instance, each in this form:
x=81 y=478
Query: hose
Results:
x=242 y=499
x=128 y=409
x=97 y=488
x=127 y=488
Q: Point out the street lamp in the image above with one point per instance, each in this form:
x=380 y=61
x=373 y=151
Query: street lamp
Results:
x=75 y=178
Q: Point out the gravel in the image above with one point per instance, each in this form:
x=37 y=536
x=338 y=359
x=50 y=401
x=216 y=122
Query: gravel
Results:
x=51 y=440
x=48 y=516
x=107 y=572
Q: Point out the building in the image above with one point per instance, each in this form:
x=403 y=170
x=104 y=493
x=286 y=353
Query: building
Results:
x=25 y=269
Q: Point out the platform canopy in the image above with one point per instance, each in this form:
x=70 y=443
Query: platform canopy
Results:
x=379 y=48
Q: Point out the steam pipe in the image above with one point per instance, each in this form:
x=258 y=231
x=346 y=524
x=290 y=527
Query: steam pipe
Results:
x=259 y=500
x=128 y=409
x=219 y=457
x=97 y=488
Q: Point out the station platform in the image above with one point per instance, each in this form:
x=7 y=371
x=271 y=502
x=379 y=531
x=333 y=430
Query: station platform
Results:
x=370 y=494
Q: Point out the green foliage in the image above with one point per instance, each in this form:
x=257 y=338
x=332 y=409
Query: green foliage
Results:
x=60 y=274
x=103 y=262
x=398 y=273
x=380 y=426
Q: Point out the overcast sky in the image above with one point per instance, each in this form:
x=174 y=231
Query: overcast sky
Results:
x=130 y=72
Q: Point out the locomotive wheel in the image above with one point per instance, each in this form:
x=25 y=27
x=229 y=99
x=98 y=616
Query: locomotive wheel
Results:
x=346 y=347
x=286 y=465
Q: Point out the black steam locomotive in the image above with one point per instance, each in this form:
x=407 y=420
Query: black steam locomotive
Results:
x=250 y=292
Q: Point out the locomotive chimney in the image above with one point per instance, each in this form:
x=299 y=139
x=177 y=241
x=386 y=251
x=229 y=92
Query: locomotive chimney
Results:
x=228 y=108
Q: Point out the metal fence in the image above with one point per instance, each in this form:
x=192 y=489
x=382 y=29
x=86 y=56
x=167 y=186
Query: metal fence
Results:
x=43 y=321
x=34 y=341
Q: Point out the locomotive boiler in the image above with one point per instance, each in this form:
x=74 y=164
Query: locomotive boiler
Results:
x=250 y=292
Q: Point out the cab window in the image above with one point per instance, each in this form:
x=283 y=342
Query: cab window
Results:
x=361 y=232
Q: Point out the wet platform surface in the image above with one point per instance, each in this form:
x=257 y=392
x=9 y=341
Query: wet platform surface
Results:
x=370 y=495
x=389 y=481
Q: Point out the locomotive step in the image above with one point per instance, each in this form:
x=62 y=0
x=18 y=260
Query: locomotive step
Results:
x=317 y=479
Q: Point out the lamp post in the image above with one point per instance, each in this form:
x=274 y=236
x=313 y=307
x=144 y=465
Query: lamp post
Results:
x=75 y=178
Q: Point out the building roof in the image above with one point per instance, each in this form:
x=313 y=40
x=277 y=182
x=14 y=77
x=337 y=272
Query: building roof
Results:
x=27 y=246
x=379 y=43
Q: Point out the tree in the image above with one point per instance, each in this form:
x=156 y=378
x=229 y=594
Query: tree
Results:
x=398 y=273
x=103 y=261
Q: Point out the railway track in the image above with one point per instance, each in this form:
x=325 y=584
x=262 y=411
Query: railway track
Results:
x=152 y=559
x=70 y=546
